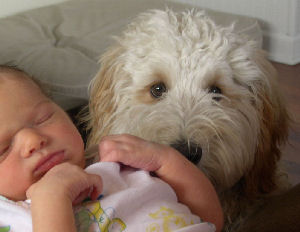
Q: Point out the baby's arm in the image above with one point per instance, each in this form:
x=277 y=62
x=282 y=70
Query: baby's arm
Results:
x=53 y=195
x=191 y=186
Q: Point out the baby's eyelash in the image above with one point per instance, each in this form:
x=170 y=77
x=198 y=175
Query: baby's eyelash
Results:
x=4 y=150
x=44 y=118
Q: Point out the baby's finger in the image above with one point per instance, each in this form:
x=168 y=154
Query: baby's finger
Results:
x=122 y=138
x=83 y=195
x=92 y=189
x=97 y=186
x=110 y=150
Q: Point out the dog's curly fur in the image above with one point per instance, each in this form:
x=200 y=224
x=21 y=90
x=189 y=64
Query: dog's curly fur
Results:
x=178 y=78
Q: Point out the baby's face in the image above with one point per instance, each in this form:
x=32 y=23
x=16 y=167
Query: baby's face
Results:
x=35 y=135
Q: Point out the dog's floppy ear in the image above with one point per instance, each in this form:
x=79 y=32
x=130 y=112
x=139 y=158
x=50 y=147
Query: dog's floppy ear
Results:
x=274 y=123
x=103 y=100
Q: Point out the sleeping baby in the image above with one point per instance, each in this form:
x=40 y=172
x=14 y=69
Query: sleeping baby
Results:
x=136 y=185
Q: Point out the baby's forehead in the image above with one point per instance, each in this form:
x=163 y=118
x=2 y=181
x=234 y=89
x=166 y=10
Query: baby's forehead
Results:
x=6 y=75
x=16 y=77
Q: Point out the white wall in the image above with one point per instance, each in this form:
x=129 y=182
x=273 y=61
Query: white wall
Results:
x=9 y=7
x=279 y=19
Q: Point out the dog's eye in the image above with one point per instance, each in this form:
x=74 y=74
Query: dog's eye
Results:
x=215 y=90
x=158 y=89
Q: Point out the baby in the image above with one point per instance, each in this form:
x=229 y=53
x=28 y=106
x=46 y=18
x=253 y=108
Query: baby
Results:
x=43 y=182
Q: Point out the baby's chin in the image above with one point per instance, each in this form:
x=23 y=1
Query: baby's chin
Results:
x=16 y=197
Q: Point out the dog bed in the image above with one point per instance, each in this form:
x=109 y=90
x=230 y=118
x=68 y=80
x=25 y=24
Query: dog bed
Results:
x=61 y=44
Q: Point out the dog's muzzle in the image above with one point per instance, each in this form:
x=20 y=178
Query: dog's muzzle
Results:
x=190 y=150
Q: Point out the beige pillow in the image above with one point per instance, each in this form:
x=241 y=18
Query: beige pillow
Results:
x=61 y=44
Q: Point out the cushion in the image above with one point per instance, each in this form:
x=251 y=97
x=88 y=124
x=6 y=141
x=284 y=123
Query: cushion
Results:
x=61 y=44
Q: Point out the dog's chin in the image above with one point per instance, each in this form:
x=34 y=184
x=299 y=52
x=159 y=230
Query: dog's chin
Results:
x=218 y=176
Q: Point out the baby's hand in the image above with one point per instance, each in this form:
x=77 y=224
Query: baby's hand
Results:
x=68 y=182
x=134 y=151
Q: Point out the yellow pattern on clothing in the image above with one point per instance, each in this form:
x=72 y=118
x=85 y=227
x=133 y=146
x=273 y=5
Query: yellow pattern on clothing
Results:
x=170 y=220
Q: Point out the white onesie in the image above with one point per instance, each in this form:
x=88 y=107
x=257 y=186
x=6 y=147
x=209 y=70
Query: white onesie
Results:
x=132 y=201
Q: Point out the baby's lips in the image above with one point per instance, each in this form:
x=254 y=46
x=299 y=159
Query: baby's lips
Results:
x=49 y=162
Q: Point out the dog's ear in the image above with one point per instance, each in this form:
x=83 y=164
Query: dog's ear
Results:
x=274 y=123
x=103 y=100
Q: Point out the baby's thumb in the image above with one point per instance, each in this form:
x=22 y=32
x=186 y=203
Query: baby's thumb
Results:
x=92 y=190
x=97 y=186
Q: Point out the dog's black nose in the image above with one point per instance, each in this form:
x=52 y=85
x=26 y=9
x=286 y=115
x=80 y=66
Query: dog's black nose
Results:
x=190 y=150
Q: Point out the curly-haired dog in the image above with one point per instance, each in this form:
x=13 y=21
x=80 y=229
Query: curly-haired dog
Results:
x=179 y=79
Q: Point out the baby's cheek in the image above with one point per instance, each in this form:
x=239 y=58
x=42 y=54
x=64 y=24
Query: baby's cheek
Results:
x=66 y=135
x=17 y=192
x=68 y=131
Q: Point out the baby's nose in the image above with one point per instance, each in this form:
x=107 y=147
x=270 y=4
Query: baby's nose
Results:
x=32 y=141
